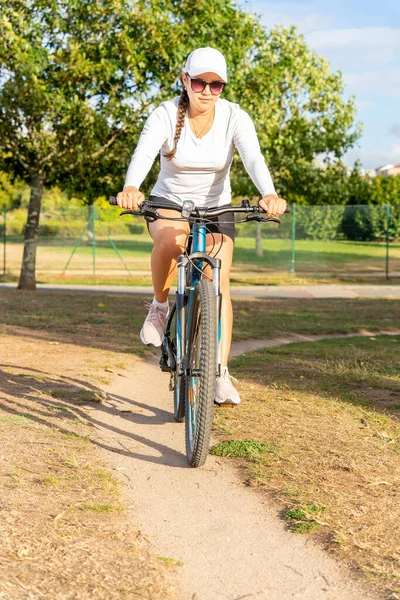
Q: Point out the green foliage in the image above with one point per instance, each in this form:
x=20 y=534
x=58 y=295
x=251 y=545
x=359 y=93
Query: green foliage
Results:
x=294 y=513
x=103 y=507
x=66 y=78
x=385 y=190
x=364 y=223
x=304 y=527
x=303 y=518
x=86 y=75
x=350 y=222
x=78 y=80
x=299 y=112
x=170 y=562
x=13 y=193
x=251 y=449
x=318 y=222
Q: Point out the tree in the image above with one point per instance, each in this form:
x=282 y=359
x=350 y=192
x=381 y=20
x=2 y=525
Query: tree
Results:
x=77 y=80
x=68 y=73
x=76 y=76
x=300 y=113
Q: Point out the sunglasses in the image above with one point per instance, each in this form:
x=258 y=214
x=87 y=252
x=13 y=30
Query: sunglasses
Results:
x=199 y=85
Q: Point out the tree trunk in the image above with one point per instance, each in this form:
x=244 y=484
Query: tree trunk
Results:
x=27 y=279
x=91 y=224
x=259 y=248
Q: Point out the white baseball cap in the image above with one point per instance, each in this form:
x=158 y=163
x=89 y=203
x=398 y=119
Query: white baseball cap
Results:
x=206 y=60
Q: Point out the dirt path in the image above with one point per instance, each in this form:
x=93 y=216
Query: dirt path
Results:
x=243 y=346
x=231 y=543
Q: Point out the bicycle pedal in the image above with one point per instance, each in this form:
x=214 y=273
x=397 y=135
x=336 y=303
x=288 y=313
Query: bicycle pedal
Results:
x=224 y=404
x=164 y=366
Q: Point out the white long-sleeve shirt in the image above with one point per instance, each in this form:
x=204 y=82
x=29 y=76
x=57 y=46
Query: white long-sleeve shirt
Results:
x=200 y=168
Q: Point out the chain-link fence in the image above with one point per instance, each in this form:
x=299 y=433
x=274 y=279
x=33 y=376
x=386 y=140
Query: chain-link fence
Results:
x=324 y=243
x=357 y=242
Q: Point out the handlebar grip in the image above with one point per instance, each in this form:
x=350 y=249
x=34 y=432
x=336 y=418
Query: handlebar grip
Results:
x=287 y=209
x=113 y=201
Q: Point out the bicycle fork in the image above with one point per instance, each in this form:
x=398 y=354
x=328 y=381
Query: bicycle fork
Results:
x=171 y=357
x=182 y=298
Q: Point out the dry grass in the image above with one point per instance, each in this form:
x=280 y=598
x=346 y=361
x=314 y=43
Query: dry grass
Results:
x=65 y=532
x=113 y=322
x=332 y=431
x=316 y=261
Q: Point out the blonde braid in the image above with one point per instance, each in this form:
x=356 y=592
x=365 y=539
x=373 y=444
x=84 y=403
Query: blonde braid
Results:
x=180 y=121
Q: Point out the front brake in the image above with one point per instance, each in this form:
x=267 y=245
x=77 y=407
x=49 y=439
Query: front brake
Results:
x=260 y=218
x=146 y=211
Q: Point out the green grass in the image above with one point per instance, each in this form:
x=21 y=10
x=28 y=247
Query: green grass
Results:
x=315 y=260
x=272 y=317
x=16 y=420
x=329 y=413
x=250 y=449
x=50 y=481
x=103 y=507
x=353 y=369
x=304 y=519
x=170 y=562
x=71 y=317
x=304 y=527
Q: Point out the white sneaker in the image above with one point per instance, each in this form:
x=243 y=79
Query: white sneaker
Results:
x=152 y=332
x=225 y=392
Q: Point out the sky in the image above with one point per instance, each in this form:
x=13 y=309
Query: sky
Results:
x=362 y=39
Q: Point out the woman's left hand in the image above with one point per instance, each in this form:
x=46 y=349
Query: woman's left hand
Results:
x=272 y=205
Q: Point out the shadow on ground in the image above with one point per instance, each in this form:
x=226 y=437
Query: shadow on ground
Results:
x=57 y=401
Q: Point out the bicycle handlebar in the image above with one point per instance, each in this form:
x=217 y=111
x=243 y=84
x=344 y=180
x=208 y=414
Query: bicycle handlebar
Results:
x=189 y=210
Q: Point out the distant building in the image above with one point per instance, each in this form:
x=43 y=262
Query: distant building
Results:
x=366 y=173
x=388 y=170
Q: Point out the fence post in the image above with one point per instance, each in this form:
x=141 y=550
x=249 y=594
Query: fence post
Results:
x=92 y=228
x=388 y=207
x=292 y=267
x=4 y=239
x=259 y=248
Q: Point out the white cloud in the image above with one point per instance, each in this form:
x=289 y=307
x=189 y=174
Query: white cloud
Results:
x=353 y=49
x=372 y=158
x=369 y=58
x=305 y=23
x=384 y=83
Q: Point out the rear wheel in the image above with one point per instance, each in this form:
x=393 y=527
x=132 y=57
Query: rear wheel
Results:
x=200 y=382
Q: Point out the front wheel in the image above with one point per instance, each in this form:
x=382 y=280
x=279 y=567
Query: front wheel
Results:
x=200 y=381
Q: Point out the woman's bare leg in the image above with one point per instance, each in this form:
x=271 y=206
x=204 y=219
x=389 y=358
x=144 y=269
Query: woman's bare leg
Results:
x=169 y=241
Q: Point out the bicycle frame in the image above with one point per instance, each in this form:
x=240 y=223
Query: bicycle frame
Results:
x=189 y=273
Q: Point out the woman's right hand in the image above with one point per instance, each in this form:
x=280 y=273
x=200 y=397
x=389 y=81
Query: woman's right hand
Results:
x=130 y=198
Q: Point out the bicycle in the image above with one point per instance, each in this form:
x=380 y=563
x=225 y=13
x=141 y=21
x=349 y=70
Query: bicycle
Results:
x=190 y=349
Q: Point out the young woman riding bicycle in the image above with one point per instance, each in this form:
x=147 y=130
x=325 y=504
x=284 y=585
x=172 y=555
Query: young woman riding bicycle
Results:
x=197 y=134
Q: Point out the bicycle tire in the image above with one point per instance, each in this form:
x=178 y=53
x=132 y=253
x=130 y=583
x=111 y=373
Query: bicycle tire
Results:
x=179 y=398
x=200 y=386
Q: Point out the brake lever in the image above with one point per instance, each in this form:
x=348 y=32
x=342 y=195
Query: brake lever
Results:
x=258 y=217
x=130 y=212
x=150 y=214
